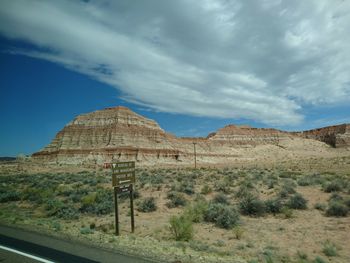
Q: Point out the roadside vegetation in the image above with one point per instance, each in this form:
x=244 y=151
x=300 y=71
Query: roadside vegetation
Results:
x=221 y=212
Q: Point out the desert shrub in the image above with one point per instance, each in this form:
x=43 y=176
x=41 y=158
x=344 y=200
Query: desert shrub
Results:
x=44 y=181
x=104 y=200
x=287 y=212
x=287 y=174
x=302 y=256
x=92 y=181
x=206 y=189
x=175 y=199
x=319 y=260
x=336 y=208
x=89 y=199
x=187 y=188
x=312 y=179
x=59 y=209
x=347 y=202
x=53 y=205
x=321 y=207
x=77 y=195
x=136 y=194
x=199 y=197
x=223 y=216
x=65 y=190
x=347 y=190
x=67 y=212
x=268 y=256
x=329 y=249
x=154 y=179
x=92 y=225
x=196 y=211
x=174 y=187
x=147 y=205
x=8 y=195
x=56 y=226
x=228 y=218
x=248 y=183
x=99 y=203
x=221 y=198
x=317 y=178
x=336 y=197
x=283 y=193
x=256 y=174
x=252 y=206
x=244 y=191
x=290 y=183
x=222 y=186
x=213 y=212
x=37 y=195
x=199 y=245
x=273 y=206
x=219 y=243
x=124 y=196
x=271 y=183
x=287 y=189
x=334 y=186
x=181 y=228
x=86 y=230
x=238 y=232
x=304 y=181
x=297 y=201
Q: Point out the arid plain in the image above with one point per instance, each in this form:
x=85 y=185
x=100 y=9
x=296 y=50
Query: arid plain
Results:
x=256 y=195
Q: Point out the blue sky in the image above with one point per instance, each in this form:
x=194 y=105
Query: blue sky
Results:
x=39 y=97
x=282 y=64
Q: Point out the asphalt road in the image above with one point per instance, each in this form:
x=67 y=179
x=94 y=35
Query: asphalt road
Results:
x=10 y=257
x=54 y=249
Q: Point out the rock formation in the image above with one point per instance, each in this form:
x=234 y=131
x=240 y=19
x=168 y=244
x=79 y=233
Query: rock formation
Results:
x=243 y=135
x=336 y=136
x=118 y=134
x=113 y=133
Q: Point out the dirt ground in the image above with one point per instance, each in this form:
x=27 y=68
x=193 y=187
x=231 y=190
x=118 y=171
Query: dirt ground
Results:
x=297 y=237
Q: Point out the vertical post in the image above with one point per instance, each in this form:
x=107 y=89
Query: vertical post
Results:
x=195 y=157
x=116 y=211
x=132 y=208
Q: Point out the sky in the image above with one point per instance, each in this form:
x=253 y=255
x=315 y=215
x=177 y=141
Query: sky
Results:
x=193 y=66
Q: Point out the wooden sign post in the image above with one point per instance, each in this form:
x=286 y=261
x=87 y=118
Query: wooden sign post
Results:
x=123 y=178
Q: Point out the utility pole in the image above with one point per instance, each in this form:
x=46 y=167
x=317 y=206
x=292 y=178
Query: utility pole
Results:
x=195 y=157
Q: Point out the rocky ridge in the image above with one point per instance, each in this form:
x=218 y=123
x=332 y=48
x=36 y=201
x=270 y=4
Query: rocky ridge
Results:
x=337 y=135
x=243 y=135
x=118 y=134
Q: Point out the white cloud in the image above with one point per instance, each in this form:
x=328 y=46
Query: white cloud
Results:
x=260 y=60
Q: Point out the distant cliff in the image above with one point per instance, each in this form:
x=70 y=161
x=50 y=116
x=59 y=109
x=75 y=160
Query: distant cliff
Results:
x=118 y=133
x=336 y=136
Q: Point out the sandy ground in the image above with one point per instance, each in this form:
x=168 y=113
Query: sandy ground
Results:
x=305 y=232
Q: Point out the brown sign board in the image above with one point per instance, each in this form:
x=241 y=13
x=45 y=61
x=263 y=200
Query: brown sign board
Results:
x=123 y=178
x=123 y=189
x=123 y=173
x=123 y=165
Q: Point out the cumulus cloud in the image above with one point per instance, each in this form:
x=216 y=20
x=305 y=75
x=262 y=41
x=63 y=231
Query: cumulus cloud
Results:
x=260 y=60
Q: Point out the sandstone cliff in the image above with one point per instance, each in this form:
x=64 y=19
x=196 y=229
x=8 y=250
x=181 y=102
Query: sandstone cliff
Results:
x=112 y=133
x=336 y=136
x=117 y=134
x=243 y=135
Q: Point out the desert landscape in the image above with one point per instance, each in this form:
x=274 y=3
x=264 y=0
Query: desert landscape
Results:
x=183 y=131
x=118 y=134
x=255 y=195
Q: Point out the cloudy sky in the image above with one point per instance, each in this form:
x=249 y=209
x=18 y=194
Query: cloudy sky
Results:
x=283 y=64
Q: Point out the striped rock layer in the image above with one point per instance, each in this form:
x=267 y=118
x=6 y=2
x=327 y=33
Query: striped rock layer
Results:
x=119 y=134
